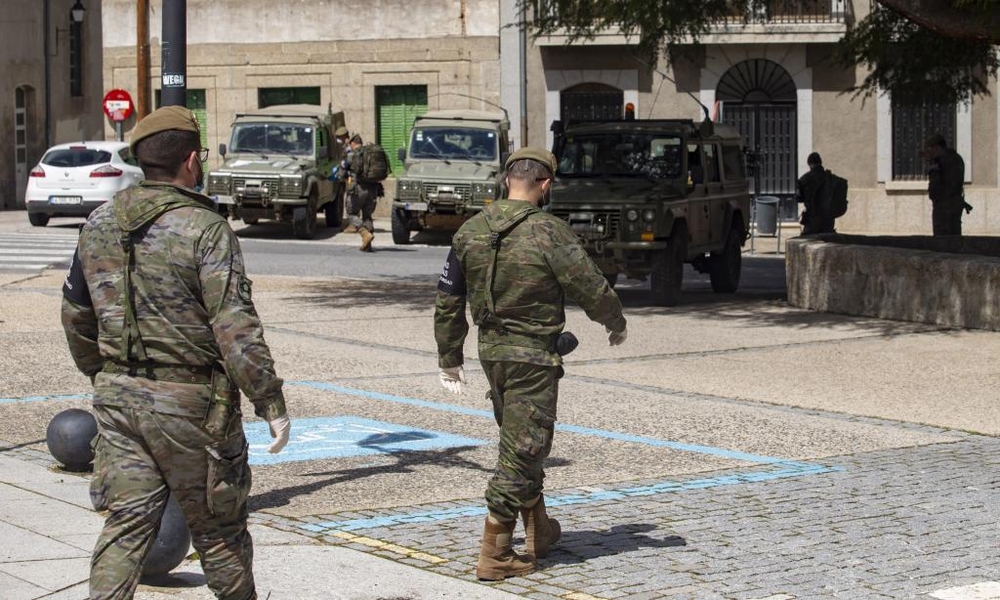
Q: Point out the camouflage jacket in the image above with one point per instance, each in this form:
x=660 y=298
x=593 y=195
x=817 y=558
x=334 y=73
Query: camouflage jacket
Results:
x=945 y=178
x=539 y=264
x=191 y=303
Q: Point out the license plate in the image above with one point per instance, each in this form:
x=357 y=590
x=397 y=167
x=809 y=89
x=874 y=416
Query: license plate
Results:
x=65 y=200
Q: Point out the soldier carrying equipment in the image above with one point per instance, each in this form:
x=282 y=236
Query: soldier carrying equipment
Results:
x=372 y=164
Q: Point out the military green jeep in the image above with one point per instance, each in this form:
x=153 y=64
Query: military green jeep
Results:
x=278 y=167
x=647 y=196
x=451 y=168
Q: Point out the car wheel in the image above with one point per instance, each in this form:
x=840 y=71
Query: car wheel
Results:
x=38 y=219
x=250 y=220
x=304 y=222
x=724 y=267
x=667 y=272
x=612 y=279
x=400 y=228
x=334 y=212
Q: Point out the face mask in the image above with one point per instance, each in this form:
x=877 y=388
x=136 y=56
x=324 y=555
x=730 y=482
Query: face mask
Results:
x=546 y=196
x=199 y=180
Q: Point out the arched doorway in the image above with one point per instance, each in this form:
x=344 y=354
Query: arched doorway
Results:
x=591 y=102
x=758 y=96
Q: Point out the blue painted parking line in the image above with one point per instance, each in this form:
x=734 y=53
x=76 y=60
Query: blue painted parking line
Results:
x=45 y=398
x=346 y=436
x=604 y=433
x=666 y=487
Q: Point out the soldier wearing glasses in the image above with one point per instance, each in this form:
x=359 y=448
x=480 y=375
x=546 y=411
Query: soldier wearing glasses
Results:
x=157 y=312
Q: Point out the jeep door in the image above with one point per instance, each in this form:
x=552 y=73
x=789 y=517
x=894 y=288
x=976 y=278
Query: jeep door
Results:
x=698 y=200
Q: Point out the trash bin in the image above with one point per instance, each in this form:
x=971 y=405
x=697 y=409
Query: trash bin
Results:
x=766 y=210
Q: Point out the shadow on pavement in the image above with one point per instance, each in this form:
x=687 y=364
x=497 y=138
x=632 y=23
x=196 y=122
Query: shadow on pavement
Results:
x=406 y=462
x=578 y=546
x=414 y=293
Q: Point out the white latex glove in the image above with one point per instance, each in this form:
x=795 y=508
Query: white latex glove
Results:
x=281 y=427
x=616 y=339
x=453 y=379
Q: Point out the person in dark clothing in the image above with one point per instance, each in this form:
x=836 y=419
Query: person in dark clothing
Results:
x=946 y=176
x=809 y=191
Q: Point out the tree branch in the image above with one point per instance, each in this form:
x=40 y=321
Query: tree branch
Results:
x=945 y=19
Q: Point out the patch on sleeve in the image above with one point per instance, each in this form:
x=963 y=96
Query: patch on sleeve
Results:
x=452 y=280
x=75 y=287
x=243 y=288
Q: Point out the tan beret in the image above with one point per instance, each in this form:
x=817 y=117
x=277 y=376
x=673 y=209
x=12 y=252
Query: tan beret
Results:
x=341 y=131
x=536 y=154
x=164 y=119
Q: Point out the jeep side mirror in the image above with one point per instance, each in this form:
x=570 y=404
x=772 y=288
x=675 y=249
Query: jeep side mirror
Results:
x=401 y=153
x=222 y=150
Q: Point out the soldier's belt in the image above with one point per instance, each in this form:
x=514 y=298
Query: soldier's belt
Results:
x=501 y=336
x=158 y=372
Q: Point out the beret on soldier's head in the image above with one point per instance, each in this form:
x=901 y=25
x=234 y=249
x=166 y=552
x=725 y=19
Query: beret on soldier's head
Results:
x=935 y=140
x=536 y=154
x=341 y=131
x=164 y=119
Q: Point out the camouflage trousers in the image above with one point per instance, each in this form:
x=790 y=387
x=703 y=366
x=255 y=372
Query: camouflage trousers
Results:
x=361 y=205
x=524 y=405
x=142 y=457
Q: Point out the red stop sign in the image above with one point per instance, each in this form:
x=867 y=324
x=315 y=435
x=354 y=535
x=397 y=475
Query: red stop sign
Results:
x=118 y=105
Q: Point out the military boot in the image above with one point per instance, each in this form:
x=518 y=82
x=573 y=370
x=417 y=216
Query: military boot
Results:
x=350 y=228
x=497 y=559
x=366 y=239
x=540 y=532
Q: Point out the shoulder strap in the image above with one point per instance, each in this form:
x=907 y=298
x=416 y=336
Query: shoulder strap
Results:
x=131 y=339
x=496 y=240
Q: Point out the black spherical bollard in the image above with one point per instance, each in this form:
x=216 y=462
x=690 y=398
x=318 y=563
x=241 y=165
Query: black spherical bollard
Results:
x=68 y=437
x=172 y=542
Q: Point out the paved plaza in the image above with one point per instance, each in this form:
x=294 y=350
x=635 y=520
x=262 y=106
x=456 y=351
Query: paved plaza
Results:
x=731 y=448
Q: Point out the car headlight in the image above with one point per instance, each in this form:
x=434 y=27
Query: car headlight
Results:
x=408 y=189
x=484 y=191
x=649 y=215
x=631 y=215
x=290 y=186
x=219 y=184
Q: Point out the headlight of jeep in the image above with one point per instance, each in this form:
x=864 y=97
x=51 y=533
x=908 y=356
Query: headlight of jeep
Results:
x=484 y=191
x=631 y=215
x=408 y=189
x=649 y=215
x=290 y=186
x=219 y=184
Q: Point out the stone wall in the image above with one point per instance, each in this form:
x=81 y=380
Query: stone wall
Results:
x=953 y=282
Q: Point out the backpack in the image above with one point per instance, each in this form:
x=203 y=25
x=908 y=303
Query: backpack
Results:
x=835 y=195
x=374 y=163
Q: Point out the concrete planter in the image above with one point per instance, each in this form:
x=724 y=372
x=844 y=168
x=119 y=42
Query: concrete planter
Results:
x=953 y=282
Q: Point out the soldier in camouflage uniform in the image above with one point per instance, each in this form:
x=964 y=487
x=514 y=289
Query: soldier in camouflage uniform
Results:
x=158 y=313
x=361 y=197
x=515 y=266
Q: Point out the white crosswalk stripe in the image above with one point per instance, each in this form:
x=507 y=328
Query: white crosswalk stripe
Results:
x=22 y=252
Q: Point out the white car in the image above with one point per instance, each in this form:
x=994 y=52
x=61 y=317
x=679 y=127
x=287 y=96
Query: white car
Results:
x=73 y=179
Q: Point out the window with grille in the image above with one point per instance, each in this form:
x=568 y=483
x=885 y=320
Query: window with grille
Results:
x=287 y=95
x=913 y=121
x=75 y=59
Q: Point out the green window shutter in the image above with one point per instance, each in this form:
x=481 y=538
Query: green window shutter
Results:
x=397 y=106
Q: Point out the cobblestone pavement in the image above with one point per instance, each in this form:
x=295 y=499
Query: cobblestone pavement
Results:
x=890 y=524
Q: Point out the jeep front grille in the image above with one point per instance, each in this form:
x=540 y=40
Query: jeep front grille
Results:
x=591 y=225
x=256 y=188
x=447 y=193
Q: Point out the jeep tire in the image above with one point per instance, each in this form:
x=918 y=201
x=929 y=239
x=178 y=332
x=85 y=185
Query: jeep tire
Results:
x=304 y=219
x=667 y=269
x=724 y=267
x=334 y=211
x=400 y=228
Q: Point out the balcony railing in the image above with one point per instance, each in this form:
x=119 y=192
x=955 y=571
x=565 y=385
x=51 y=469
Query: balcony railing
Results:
x=793 y=11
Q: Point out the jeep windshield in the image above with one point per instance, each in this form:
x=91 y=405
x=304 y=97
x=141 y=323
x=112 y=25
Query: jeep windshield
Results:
x=453 y=143
x=273 y=138
x=620 y=154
